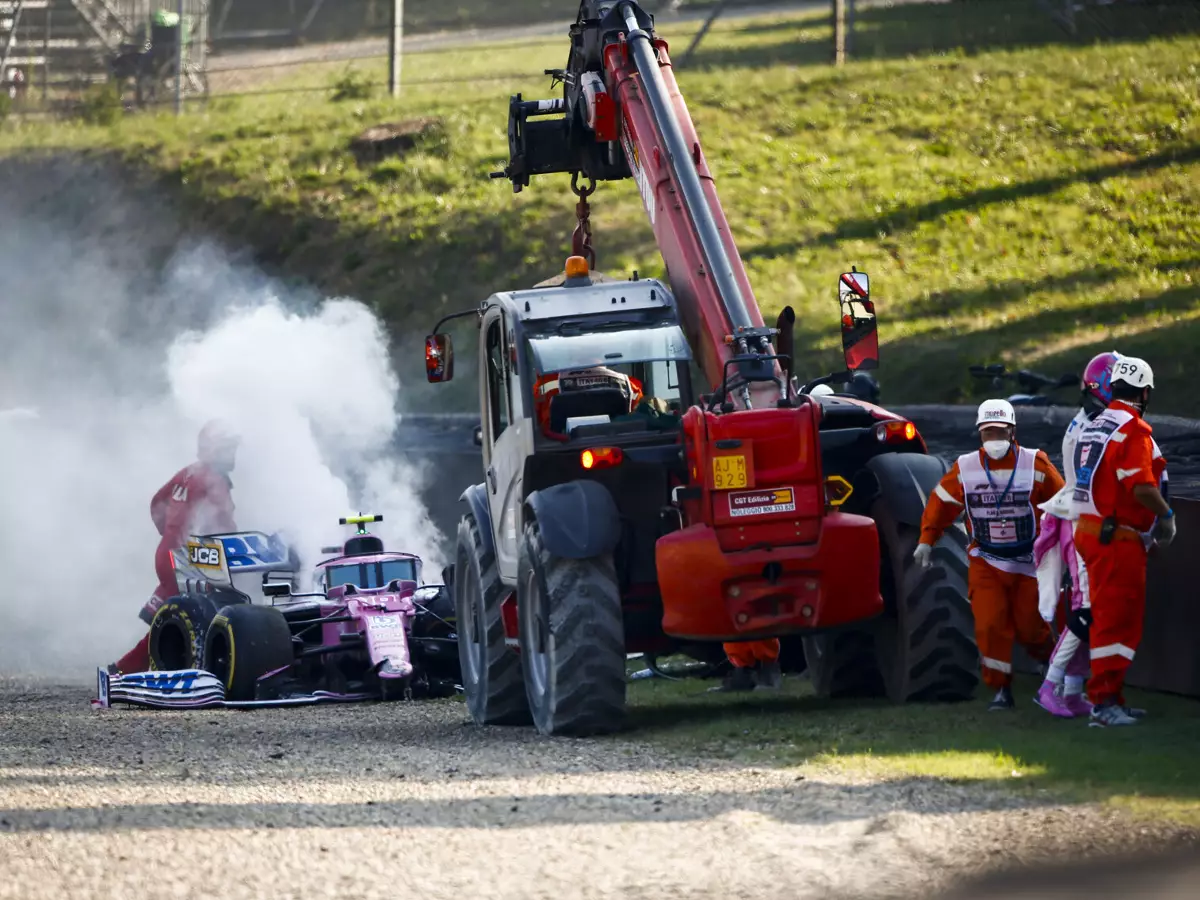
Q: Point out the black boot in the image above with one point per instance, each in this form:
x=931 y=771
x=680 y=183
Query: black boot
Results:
x=1003 y=700
x=738 y=679
x=768 y=676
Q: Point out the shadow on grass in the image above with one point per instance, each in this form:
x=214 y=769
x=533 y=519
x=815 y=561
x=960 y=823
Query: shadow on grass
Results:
x=907 y=217
x=999 y=293
x=929 y=29
x=960 y=741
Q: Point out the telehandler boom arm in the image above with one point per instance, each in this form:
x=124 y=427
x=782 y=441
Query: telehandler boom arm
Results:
x=622 y=116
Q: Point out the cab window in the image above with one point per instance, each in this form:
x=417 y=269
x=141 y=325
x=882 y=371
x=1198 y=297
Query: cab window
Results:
x=499 y=401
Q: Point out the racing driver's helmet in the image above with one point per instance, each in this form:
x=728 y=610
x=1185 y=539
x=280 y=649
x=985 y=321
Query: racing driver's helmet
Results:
x=217 y=445
x=1096 y=383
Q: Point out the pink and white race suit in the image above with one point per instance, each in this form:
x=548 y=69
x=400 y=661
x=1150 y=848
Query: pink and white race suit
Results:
x=1053 y=552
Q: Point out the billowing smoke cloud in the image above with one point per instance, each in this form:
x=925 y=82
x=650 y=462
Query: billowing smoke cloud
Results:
x=109 y=365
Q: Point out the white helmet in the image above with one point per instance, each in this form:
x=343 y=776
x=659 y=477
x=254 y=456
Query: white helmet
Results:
x=1132 y=371
x=995 y=412
x=821 y=390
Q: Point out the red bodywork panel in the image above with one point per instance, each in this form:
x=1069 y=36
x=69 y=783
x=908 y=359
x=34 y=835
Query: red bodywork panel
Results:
x=759 y=555
x=762 y=556
x=713 y=594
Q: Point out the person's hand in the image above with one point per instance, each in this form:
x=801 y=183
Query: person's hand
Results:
x=922 y=554
x=1164 y=531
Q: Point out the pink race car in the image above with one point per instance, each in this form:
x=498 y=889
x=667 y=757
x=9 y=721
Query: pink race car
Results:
x=371 y=630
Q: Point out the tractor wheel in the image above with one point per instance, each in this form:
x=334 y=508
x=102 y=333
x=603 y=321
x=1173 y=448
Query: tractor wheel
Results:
x=177 y=633
x=244 y=643
x=491 y=670
x=841 y=664
x=572 y=640
x=925 y=642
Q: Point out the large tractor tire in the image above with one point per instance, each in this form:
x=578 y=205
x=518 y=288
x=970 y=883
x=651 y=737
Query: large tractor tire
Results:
x=841 y=664
x=491 y=670
x=923 y=646
x=925 y=642
x=177 y=633
x=572 y=640
x=245 y=642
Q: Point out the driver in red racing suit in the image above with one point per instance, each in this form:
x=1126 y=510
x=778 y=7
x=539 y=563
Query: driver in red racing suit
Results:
x=196 y=500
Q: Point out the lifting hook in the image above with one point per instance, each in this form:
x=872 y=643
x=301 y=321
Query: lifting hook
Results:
x=581 y=238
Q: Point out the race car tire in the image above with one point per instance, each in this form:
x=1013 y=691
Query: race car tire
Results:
x=178 y=631
x=434 y=641
x=572 y=639
x=244 y=643
x=491 y=670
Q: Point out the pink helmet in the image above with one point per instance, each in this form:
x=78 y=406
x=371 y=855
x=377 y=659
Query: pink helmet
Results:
x=1097 y=377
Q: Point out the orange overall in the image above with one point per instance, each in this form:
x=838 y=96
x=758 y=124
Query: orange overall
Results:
x=1002 y=496
x=746 y=654
x=1115 y=454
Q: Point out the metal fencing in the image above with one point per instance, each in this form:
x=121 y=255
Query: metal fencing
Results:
x=60 y=57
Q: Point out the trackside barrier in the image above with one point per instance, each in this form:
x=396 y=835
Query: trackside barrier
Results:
x=1168 y=658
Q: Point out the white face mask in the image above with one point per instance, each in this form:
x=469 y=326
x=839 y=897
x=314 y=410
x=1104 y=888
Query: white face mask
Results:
x=995 y=449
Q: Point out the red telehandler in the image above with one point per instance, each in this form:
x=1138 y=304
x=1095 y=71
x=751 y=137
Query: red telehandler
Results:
x=656 y=479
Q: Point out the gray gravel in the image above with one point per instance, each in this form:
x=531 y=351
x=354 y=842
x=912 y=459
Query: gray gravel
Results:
x=411 y=800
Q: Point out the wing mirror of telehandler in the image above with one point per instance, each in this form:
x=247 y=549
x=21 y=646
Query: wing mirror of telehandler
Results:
x=860 y=340
x=439 y=358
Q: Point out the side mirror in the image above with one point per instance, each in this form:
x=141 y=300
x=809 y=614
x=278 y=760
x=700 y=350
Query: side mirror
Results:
x=439 y=358
x=277 y=589
x=477 y=436
x=860 y=340
x=785 y=343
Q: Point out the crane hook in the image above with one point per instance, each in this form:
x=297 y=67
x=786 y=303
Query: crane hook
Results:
x=581 y=238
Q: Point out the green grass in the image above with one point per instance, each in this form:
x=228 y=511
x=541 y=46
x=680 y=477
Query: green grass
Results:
x=1150 y=769
x=1015 y=196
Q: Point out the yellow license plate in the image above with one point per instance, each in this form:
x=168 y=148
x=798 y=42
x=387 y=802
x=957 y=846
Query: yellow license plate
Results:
x=729 y=472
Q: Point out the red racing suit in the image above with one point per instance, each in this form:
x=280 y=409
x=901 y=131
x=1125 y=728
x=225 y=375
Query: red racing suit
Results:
x=1115 y=453
x=196 y=500
x=1001 y=500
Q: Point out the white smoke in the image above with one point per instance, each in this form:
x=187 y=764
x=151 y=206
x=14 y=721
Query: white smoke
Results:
x=107 y=371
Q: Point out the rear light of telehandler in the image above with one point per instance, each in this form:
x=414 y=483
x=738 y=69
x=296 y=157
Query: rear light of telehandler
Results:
x=601 y=457
x=895 y=432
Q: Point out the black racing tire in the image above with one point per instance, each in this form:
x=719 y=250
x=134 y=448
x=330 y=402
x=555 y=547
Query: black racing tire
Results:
x=572 y=640
x=245 y=642
x=434 y=639
x=441 y=620
x=178 y=631
x=925 y=647
x=491 y=670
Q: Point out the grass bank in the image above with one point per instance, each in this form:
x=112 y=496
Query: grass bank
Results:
x=1149 y=769
x=1015 y=195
